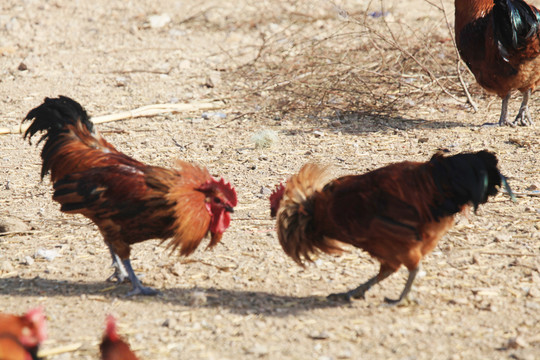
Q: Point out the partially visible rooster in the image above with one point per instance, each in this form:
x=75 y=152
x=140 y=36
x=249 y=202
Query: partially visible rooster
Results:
x=112 y=346
x=129 y=201
x=499 y=40
x=396 y=213
x=20 y=336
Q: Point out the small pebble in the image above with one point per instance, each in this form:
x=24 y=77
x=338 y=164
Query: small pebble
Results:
x=13 y=225
x=198 y=298
x=159 y=21
x=48 y=255
x=6 y=267
x=517 y=342
x=258 y=350
x=323 y=335
x=28 y=261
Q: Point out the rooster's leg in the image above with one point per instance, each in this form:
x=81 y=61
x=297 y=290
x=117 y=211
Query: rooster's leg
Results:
x=359 y=292
x=523 y=117
x=405 y=292
x=138 y=288
x=503 y=120
x=120 y=274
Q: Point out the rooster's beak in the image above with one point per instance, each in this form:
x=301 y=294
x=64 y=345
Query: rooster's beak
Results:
x=229 y=209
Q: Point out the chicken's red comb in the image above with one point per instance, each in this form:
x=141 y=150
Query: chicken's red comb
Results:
x=275 y=199
x=110 y=331
x=37 y=318
x=224 y=188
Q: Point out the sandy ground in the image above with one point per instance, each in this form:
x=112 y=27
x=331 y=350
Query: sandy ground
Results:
x=478 y=298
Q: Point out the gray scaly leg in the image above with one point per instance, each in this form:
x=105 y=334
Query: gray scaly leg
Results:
x=523 y=117
x=138 y=288
x=405 y=292
x=120 y=274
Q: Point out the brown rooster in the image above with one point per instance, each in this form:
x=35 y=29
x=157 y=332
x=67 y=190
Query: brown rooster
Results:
x=20 y=336
x=112 y=347
x=129 y=201
x=396 y=213
x=499 y=40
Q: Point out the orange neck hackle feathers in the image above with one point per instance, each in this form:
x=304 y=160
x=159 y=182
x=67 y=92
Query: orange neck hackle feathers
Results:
x=202 y=205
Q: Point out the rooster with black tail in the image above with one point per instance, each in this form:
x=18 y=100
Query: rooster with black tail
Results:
x=396 y=213
x=129 y=201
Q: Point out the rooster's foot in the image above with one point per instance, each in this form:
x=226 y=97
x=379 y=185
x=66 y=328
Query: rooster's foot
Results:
x=523 y=118
x=346 y=296
x=143 y=290
x=402 y=302
x=339 y=297
x=118 y=277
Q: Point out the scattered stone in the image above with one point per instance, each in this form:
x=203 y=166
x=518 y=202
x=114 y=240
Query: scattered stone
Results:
x=177 y=269
x=517 y=342
x=323 y=335
x=198 y=298
x=212 y=80
x=265 y=190
x=503 y=238
x=121 y=81
x=258 y=350
x=213 y=115
x=22 y=67
x=28 y=261
x=6 y=267
x=48 y=255
x=345 y=354
x=13 y=225
x=159 y=21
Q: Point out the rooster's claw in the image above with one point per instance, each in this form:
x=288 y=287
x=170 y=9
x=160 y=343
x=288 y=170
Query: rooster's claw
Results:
x=143 y=290
x=340 y=297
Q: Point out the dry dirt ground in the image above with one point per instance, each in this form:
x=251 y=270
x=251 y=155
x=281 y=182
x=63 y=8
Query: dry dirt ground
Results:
x=332 y=90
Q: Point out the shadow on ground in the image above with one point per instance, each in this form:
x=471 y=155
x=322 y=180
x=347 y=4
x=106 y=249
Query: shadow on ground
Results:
x=237 y=301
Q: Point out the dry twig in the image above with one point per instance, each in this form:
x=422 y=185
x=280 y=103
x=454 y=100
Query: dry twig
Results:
x=149 y=110
x=59 y=350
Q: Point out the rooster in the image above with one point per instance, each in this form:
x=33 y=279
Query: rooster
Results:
x=499 y=40
x=112 y=347
x=20 y=336
x=396 y=213
x=129 y=201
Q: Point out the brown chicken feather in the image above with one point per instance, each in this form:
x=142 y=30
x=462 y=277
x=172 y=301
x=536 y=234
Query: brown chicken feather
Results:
x=396 y=213
x=129 y=201
x=500 y=43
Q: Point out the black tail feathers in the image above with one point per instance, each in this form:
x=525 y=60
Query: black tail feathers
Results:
x=514 y=23
x=53 y=115
x=465 y=178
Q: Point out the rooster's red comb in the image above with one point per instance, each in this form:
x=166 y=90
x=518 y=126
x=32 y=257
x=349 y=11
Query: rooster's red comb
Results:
x=37 y=318
x=275 y=199
x=225 y=188
x=110 y=331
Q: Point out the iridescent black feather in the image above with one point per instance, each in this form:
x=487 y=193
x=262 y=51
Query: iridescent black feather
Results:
x=515 y=22
x=464 y=178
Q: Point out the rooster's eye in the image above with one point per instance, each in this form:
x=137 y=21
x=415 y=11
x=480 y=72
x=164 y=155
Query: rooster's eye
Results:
x=217 y=200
